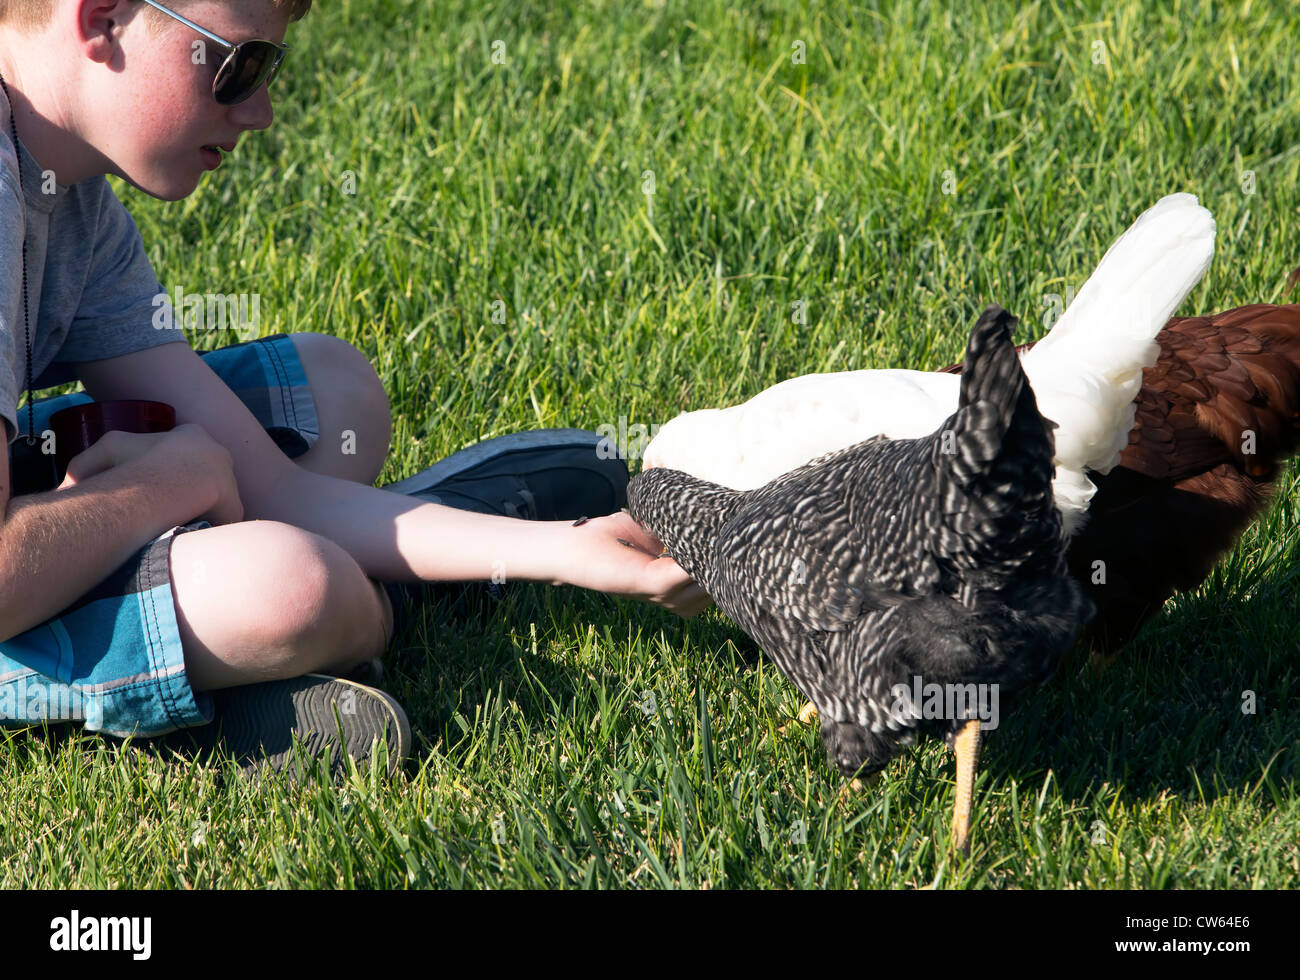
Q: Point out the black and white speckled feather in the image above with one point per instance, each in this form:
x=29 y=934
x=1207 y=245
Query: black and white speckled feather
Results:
x=937 y=558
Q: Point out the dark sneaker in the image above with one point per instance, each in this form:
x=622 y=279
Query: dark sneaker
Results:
x=542 y=475
x=269 y=725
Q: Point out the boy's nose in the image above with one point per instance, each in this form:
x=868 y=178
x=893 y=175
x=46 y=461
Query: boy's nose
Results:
x=255 y=112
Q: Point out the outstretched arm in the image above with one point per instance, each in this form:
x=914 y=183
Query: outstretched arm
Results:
x=393 y=537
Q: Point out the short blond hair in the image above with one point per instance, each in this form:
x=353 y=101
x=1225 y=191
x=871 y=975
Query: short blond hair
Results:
x=31 y=14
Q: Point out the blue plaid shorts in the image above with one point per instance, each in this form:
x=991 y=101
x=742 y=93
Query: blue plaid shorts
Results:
x=113 y=660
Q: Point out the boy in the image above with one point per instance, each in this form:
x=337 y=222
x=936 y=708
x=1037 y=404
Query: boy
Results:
x=171 y=565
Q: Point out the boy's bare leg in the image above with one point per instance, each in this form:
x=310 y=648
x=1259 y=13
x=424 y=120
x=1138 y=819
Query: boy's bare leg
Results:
x=352 y=410
x=261 y=600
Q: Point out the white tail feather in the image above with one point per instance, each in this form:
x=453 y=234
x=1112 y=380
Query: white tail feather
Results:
x=1087 y=371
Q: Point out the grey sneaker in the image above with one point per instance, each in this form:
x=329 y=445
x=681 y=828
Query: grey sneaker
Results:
x=542 y=475
x=268 y=725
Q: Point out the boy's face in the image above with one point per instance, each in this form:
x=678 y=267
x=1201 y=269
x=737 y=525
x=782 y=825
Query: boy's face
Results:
x=158 y=112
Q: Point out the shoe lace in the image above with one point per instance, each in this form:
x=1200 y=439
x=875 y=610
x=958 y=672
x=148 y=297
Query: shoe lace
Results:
x=530 y=506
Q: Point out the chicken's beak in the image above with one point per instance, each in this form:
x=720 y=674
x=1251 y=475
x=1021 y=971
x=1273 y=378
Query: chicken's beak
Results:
x=967 y=748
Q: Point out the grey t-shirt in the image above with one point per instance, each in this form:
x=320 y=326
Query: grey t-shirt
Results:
x=90 y=287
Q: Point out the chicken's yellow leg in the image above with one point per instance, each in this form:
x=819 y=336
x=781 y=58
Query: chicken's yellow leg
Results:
x=967 y=747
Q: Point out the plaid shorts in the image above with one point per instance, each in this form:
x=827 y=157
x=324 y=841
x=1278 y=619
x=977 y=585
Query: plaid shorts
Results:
x=113 y=660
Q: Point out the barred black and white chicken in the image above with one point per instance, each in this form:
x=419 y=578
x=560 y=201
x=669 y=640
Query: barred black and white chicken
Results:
x=895 y=563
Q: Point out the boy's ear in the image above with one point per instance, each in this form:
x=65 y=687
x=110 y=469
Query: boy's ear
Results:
x=98 y=25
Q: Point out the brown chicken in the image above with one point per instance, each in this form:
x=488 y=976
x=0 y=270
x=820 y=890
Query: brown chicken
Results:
x=1217 y=416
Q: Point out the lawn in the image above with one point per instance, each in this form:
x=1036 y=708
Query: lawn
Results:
x=559 y=214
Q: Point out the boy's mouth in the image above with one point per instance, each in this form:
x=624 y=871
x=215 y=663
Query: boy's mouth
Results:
x=211 y=157
x=212 y=154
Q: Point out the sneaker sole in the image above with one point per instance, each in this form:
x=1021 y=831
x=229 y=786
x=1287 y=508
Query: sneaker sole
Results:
x=263 y=726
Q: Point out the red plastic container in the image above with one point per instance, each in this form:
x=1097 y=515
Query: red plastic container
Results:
x=78 y=428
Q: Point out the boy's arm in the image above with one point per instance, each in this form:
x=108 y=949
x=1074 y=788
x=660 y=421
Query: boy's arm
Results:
x=392 y=537
x=56 y=546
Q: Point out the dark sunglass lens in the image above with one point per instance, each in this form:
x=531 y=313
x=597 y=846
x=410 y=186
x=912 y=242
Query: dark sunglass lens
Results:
x=247 y=67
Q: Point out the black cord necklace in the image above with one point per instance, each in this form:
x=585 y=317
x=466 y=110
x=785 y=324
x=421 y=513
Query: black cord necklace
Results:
x=27 y=328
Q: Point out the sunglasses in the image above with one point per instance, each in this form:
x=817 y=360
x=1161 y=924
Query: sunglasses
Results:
x=248 y=64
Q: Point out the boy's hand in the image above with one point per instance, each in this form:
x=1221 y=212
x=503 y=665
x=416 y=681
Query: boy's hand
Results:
x=615 y=554
x=186 y=445
x=111 y=449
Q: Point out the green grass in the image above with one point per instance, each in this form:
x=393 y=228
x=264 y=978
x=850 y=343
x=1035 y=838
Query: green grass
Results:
x=538 y=761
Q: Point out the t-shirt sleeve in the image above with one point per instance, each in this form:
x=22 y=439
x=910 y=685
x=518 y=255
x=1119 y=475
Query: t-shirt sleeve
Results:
x=11 y=309
x=119 y=300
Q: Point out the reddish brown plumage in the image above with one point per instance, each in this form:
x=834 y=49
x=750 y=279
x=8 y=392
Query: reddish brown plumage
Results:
x=1187 y=484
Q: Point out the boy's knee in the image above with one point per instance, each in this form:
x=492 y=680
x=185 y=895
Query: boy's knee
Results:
x=352 y=407
x=320 y=597
x=259 y=600
x=344 y=366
